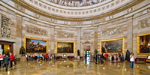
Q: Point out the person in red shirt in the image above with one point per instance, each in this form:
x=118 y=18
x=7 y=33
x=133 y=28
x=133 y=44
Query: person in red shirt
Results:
x=46 y=56
x=105 y=56
x=11 y=59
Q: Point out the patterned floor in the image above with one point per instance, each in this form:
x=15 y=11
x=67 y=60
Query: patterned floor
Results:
x=75 y=68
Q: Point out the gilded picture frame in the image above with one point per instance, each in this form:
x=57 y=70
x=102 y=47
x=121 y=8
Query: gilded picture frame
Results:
x=25 y=44
x=111 y=40
x=139 y=44
x=60 y=45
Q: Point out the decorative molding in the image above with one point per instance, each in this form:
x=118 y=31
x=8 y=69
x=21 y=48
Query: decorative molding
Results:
x=144 y=23
x=112 y=31
x=61 y=34
x=35 y=30
x=5 y=27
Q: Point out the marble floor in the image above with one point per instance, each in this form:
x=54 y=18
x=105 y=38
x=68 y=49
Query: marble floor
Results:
x=75 y=68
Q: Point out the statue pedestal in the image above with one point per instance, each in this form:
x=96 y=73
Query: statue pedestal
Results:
x=78 y=57
x=23 y=58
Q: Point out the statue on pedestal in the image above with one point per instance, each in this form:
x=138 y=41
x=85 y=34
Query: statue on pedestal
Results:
x=78 y=51
x=22 y=50
x=1 y=50
x=78 y=54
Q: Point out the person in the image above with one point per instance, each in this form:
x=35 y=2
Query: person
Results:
x=46 y=57
x=99 y=57
x=96 y=56
x=122 y=57
x=14 y=59
x=1 y=59
x=127 y=55
x=112 y=57
x=11 y=59
x=6 y=61
x=105 y=56
x=132 y=61
x=38 y=56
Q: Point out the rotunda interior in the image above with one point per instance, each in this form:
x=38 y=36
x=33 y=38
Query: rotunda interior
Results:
x=71 y=31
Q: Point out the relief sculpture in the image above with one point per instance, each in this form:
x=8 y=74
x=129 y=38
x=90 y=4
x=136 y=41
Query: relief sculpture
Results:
x=86 y=35
x=64 y=35
x=144 y=23
x=35 y=30
x=5 y=27
x=76 y=3
x=112 y=32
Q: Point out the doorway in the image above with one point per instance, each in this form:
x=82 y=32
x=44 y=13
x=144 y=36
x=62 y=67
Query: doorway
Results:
x=87 y=52
x=7 y=46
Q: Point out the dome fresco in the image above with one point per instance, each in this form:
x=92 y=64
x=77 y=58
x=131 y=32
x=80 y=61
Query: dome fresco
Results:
x=76 y=3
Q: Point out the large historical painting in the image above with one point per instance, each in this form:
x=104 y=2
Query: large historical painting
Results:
x=144 y=44
x=35 y=46
x=112 y=46
x=65 y=47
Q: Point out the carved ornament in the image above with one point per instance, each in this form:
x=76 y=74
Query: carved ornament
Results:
x=5 y=27
x=36 y=30
x=112 y=31
x=144 y=23
x=64 y=34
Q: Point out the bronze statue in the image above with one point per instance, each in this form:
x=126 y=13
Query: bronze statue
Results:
x=78 y=52
x=22 y=50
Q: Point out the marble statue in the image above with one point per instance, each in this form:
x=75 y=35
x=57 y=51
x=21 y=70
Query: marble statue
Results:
x=1 y=50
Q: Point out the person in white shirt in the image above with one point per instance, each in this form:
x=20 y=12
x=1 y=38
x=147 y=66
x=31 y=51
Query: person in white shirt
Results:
x=132 y=61
x=1 y=59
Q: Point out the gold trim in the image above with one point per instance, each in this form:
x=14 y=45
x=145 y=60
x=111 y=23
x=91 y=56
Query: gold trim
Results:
x=66 y=42
x=35 y=39
x=138 y=44
x=112 y=40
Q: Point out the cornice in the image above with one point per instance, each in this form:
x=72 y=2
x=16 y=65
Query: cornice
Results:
x=36 y=10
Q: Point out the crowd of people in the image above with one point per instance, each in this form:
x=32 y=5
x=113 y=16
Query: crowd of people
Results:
x=99 y=58
x=6 y=59
x=39 y=57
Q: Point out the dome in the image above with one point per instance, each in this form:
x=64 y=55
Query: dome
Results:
x=97 y=9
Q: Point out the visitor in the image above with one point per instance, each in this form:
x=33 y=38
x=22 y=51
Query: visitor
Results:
x=132 y=61
x=96 y=56
x=38 y=57
x=41 y=55
x=6 y=61
x=11 y=59
x=46 y=57
x=14 y=60
x=112 y=57
x=122 y=57
x=99 y=57
x=127 y=55
x=115 y=57
x=105 y=56
x=1 y=59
